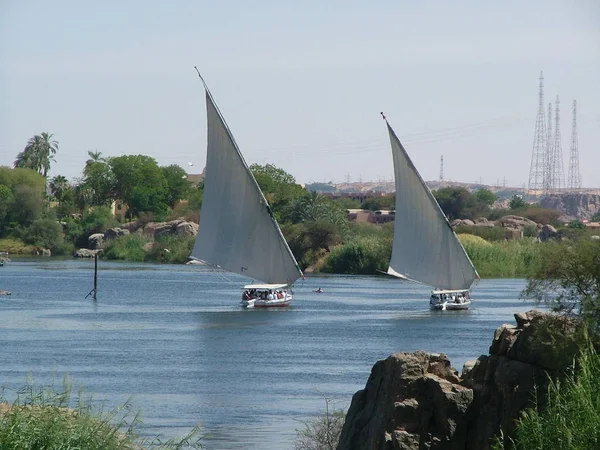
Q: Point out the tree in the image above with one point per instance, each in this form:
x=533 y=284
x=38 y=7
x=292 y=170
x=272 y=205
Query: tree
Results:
x=485 y=196
x=98 y=182
x=278 y=186
x=95 y=157
x=59 y=186
x=6 y=197
x=455 y=202
x=596 y=217
x=381 y=202
x=140 y=183
x=568 y=277
x=38 y=154
x=516 y=202
x=177 y=185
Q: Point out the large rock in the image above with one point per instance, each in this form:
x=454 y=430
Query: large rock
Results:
x=417 y=401
x=187 y=229
x=178 y=227
x=512 y=221
x=410 y=400
x=113 y=233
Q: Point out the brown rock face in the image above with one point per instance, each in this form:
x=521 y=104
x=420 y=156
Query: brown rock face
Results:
x=417 y=401
x=410 y=399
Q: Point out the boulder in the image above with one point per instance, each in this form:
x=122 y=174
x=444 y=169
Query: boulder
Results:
x=130 y=226
x=512 y=221
x=187 y=229
x=95 y=241
x=113 y=233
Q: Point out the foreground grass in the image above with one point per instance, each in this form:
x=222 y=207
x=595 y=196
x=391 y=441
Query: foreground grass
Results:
x=570 y=419
x=44 y=418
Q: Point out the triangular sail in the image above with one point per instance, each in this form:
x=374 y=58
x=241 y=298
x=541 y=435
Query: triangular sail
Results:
x=425 y=247
x=238 y=232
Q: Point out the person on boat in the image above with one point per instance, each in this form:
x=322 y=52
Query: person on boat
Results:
x=318 y=291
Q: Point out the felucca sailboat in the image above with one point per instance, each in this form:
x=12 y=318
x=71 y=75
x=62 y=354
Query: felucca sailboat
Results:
x=237 y=230
x=425 y=247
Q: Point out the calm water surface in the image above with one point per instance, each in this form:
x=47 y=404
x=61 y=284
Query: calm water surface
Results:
x=176 y=339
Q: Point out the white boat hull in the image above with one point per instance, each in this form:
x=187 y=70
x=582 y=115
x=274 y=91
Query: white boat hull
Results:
x=451 y=306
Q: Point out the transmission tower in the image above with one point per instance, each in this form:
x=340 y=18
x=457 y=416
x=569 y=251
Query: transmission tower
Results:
x=537 y=169
x=548 y=174
x=558 y=172
x=574 y=182
x=442 y=168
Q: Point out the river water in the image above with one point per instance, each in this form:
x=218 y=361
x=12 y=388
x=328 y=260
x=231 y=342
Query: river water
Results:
x=175 y=338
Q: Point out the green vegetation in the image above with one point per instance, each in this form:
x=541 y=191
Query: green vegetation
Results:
x=568 y=277
x=569 y=418
x=50 y=419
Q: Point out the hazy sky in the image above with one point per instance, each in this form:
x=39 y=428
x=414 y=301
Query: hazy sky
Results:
x=301 y=84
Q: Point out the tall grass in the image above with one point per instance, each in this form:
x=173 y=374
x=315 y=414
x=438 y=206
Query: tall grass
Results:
x=43 y=418
x=360 y=256
x=516 y=258
x=570 y=419
x=137 y=247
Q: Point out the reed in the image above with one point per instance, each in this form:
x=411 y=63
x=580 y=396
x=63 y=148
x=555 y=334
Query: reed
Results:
x=360 y=256
x=507 y=259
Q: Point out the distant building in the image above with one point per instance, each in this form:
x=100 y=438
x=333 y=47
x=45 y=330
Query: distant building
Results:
x=119 y=210
x=367 y=216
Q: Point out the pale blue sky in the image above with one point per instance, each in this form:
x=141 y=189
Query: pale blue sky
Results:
x=301 y=83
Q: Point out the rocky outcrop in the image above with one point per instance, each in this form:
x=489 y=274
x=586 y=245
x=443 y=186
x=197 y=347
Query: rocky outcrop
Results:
x=574 y=206
x=113 y=233
x=417 y=401
x=512 y=221
x=410 y=399
x=178 y=227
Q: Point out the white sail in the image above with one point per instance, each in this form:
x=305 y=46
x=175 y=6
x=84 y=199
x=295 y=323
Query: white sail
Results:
x=237 y=231
x=425 y=247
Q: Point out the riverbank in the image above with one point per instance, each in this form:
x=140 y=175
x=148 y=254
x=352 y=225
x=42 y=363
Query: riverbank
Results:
x=362 y=256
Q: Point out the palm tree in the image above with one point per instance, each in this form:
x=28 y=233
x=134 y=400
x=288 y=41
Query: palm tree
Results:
x=38 y=153
x=95 y=157
x=58 y=187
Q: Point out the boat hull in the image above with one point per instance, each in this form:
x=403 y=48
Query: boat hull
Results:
x=261 y=303
x=451 y=306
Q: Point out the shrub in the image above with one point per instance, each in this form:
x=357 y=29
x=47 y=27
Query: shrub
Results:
x=487 y=233
x=129 y=247
x=322 y=432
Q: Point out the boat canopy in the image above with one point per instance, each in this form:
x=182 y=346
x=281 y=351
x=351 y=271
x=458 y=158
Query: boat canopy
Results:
x=265 y=286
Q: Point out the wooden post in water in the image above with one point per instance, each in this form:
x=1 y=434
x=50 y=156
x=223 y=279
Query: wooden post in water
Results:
x=93 y=291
